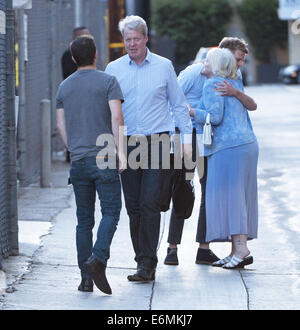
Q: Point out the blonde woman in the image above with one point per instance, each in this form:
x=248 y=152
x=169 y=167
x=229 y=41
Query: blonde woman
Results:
x=231 y=188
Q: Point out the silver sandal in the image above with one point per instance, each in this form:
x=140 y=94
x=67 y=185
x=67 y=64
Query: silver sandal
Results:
x=221 y=262
x=237 y=262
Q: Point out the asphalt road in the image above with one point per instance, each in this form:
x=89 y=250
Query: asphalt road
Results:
x=275 y=281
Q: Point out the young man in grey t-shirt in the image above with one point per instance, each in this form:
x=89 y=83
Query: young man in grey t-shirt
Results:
x=89 y=105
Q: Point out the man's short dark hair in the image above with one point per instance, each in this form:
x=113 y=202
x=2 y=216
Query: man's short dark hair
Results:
x=234 y=44
x=77 y=32
x=83 y=49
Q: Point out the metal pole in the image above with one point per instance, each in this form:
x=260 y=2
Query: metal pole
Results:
x=78 y=13
x=53 y=69
x=86 y=14
x=22 y=100
x=13 y=204
x=130 y=7
x=45 y=179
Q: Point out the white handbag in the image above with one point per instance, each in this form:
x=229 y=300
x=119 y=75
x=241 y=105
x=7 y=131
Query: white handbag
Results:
x=207 y=131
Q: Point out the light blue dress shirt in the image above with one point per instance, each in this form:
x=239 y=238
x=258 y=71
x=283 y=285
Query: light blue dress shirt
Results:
x=230 y=119
x=191 y=82
x=148 y=89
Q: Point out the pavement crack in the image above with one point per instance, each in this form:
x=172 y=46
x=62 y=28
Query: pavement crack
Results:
x=163 y=230
x=151 y=297
x=163 y=225
x=246 y=289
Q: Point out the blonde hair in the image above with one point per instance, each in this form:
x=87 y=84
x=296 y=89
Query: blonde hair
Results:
x=222 y=63
x=133 y=22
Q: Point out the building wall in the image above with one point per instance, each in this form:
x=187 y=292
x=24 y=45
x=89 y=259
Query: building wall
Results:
x=3 y=144
x=236 y=29
x=62 y=23
x=294 y=44
x=290 y=11
x=49 y=31
x=7 y=145
x=36 y=82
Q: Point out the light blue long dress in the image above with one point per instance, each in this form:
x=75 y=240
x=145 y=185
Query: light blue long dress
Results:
x=231 y=187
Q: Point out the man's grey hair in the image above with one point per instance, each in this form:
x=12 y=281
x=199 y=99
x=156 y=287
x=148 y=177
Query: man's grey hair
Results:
x=133 y=22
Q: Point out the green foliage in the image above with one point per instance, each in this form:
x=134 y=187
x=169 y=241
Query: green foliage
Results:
x=263 y=27
x=191 y=24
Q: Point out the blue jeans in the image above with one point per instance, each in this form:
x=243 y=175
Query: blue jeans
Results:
x=87 y=178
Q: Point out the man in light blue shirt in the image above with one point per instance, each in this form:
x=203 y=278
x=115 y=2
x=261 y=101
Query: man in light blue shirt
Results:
x=192 y=80
x=148 y=87
x=149 y=84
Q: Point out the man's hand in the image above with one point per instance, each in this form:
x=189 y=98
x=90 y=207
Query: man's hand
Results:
x=122 y=161
x=187 y=150
x=225 y=89
x=191 y=111
x=61 y=125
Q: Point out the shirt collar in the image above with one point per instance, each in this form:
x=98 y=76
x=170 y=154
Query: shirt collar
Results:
x=147 y=58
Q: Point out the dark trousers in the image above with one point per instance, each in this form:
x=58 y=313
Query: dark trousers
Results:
x=141 y=189
x=176 y=224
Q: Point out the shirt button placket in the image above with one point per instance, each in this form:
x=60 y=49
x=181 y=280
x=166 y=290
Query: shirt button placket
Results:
x=138 y=100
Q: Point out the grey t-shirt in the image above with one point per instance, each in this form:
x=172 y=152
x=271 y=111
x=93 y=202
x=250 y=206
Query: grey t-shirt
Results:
x=84 y=97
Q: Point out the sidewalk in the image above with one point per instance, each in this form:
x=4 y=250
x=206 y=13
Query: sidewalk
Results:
x=45 y=274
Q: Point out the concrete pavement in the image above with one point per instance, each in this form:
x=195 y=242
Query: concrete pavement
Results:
x=45 y=274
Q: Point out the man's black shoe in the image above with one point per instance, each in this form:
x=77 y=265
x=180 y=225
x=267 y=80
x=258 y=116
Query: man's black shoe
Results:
x=142 y=275
x=86 y=285
x=96 y=269
x=206 y=257
x=171 y=258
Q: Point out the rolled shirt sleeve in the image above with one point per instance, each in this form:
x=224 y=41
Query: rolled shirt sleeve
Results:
x=179 y=107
